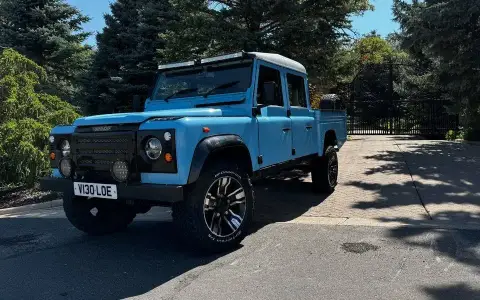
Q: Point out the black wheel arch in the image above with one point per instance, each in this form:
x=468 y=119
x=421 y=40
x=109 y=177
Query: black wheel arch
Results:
x=330 y=139
x=214 y=147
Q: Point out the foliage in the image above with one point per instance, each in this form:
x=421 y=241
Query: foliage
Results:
x=350 y=60
x=127 y=51
x=453 y=135
x=50 y=33
x=26 y=118
x=362 y=68
x=307 y=31
x=443 y=36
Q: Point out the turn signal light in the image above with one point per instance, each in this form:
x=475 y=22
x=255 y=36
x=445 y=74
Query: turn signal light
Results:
x=168 y=157
x=52 y=156
x=206 y=129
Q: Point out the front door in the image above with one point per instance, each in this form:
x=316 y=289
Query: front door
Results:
x=274 y=127
x=302 y=118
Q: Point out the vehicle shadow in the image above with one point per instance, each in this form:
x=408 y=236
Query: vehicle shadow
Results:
x=46 y=258
x=284 y=197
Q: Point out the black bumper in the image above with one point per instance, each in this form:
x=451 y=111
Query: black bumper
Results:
x=151 y=192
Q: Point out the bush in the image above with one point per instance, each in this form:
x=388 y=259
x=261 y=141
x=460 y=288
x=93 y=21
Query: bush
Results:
x=26 y=118
x=451 y=135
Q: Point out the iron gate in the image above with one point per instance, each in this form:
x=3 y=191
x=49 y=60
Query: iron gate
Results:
x=376 y=108
x=424 y=117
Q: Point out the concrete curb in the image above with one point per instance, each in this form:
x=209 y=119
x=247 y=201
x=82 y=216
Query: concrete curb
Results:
x=471 y=143
x=30 y=207
x=345 y=221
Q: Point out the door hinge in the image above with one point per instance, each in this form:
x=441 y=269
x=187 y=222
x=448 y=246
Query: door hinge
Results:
x=260 y=160
x=294 y=151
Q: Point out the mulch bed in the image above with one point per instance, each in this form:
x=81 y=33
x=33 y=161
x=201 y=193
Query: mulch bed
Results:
x=19 y=196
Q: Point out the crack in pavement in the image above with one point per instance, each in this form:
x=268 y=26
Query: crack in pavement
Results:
x=413 y=182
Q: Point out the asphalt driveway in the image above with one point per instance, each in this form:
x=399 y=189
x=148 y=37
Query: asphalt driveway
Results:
x=296 y=249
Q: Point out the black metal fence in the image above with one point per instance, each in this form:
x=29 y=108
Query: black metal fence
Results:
x=423 y=117
x=375 y=107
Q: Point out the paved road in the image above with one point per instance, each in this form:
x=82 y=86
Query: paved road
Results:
x=292 y=251
x=45 y=258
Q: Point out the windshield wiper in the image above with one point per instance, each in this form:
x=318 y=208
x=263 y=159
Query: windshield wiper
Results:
x=221 y=86
x=179 y=92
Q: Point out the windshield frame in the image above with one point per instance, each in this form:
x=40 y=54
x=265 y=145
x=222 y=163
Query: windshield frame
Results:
x=248 y=62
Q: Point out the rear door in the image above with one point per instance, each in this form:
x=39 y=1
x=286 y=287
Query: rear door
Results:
x=274 y=127
x=301 y=116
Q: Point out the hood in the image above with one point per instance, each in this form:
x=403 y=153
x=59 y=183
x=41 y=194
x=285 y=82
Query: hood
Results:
x=125 y=118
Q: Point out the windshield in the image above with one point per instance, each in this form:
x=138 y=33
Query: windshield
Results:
x=204 y=81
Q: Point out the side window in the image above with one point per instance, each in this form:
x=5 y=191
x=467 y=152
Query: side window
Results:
x=296 y=90
x=271 y=77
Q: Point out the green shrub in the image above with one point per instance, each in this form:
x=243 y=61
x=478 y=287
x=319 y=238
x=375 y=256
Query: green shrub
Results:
x=26 y=118
x=451 y=135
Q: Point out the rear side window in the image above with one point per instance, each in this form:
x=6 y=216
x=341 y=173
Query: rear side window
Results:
x=296 y=90
x=269 y=75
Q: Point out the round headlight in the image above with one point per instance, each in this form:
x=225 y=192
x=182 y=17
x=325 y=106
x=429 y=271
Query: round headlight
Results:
x=51 y=139
x=66 y=168
x=120 y=171
x=65 y=147
x=153 y=148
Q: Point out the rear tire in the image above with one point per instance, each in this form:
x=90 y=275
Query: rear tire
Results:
x=217 y=210
x=97 y=217
x=325 y=171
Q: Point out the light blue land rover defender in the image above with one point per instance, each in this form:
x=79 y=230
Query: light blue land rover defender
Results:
x=209 y=127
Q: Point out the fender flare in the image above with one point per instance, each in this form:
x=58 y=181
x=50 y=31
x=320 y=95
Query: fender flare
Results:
x=208 y=146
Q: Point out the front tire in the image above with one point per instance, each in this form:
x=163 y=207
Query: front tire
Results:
x=218 y=209
x=97 y=216
x=325 y=171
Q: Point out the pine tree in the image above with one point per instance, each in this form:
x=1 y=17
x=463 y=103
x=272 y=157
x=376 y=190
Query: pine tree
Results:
x=126 y=60
x=444 y=36
x=309 y=31
x=50 y=33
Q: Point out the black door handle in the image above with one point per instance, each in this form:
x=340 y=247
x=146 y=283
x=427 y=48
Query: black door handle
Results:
x=286 y=129
x=308 y=127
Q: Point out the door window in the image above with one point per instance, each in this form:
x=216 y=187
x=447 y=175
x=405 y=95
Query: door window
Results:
x=269 y=75
x=296 y=90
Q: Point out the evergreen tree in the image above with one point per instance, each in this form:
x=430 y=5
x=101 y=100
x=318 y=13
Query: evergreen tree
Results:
x=126 y=60
x=50 y=33
x=309 y=31
x=444 y=36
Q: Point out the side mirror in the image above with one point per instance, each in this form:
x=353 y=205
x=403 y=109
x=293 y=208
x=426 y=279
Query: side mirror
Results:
x=268 y=93
x=136 y=103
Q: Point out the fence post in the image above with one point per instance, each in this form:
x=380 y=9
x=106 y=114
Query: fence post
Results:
x=390 y=94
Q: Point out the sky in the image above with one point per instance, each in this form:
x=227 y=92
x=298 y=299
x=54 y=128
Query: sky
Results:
x=379 y=20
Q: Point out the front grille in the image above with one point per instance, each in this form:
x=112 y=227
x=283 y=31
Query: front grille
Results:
x=102 y=140
x=97 y=151
x=104 y=151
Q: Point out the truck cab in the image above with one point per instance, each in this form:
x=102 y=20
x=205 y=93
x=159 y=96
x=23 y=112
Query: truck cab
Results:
x=209 y=127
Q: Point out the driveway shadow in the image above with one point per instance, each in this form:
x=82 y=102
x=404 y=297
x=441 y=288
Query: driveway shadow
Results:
x=46 y=258
x=454 y=291
x=446 y=178
x=442 y=172
x=52 y=260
